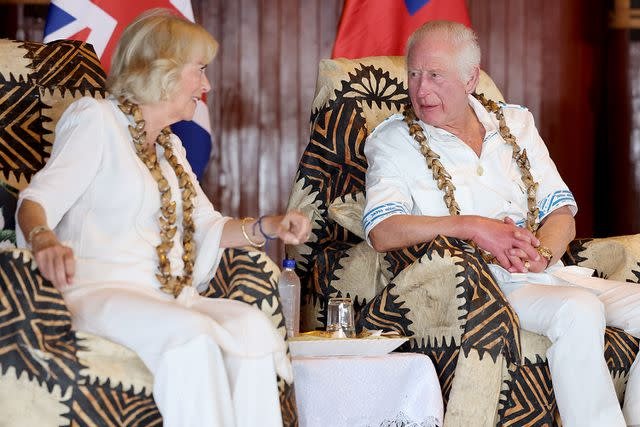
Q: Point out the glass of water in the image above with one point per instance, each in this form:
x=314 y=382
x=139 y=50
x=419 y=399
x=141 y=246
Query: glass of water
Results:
x=340 y=317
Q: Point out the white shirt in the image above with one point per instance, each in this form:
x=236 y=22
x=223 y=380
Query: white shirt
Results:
x=398 y=180
x=102 y=201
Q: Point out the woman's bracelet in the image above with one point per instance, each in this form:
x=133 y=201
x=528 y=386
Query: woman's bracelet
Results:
x=259 y=224
x=35 y=231
x=246 y=236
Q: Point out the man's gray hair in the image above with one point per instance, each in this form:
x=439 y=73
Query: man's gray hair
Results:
x=461 y=36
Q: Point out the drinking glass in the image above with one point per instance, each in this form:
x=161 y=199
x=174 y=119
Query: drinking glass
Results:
x=340 y=317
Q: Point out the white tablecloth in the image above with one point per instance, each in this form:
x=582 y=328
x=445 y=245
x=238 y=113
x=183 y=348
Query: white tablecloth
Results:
x=398 y=389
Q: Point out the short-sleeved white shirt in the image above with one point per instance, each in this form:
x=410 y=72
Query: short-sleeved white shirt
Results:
x=399 y=181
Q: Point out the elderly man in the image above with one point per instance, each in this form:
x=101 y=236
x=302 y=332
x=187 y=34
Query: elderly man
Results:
x=462 y=166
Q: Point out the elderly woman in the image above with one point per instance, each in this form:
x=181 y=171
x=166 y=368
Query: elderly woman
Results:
x=117 y=221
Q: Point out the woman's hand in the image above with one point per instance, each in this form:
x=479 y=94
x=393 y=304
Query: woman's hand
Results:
x=292 y=228
x=55 y=261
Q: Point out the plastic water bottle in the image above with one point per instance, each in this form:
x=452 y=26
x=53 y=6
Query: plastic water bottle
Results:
x=289 y=288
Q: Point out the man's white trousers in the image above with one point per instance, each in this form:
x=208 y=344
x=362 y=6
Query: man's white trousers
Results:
x=574 y=319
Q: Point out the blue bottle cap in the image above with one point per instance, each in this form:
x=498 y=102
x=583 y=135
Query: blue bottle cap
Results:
x=289 y=263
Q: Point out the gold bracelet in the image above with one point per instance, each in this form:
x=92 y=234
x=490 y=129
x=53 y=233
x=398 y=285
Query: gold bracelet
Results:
x=246 y=236
x=35 y=231
x=545 y=253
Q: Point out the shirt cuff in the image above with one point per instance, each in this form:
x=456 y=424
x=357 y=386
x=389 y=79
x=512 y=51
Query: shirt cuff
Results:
x=381 y=212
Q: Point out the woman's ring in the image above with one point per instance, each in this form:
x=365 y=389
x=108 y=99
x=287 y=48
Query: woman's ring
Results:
x=527 y=264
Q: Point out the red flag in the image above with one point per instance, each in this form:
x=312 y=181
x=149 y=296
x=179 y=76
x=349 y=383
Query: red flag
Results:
x=382 y=27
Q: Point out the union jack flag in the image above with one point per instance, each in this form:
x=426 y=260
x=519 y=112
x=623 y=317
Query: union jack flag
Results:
x=100 y=23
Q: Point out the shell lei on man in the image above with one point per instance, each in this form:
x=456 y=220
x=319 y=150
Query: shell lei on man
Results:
x=168 y=282
x=443 y=178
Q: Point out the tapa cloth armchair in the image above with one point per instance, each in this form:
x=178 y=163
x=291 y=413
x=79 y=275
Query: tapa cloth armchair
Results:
x=441 y=294
x=51 y=375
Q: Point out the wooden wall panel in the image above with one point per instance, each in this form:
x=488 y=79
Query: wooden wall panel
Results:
x=290 y=105
x=309 y=51
x=264 y=78
x=267 y=137
x=617 y=190
x=546 y=55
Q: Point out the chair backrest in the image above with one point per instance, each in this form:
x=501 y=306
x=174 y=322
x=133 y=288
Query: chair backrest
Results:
x=37 y=83
x=352 y=97
x=374 y=79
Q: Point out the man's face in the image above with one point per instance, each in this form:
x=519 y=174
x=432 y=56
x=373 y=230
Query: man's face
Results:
x=438 y=94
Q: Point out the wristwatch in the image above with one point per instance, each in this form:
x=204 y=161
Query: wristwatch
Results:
x=545 y=253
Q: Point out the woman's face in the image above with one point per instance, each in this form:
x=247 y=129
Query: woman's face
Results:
x=192 y=84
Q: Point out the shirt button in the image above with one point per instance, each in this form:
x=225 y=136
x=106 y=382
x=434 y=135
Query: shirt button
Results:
x=480 y=171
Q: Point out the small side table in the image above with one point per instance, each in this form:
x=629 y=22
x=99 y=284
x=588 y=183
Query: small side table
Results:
x=377 y=391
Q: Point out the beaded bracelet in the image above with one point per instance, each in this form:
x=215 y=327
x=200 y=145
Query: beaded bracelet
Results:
x=246 y=236
x=259 y=224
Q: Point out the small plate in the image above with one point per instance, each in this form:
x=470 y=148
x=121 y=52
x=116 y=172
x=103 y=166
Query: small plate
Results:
x=318 y=346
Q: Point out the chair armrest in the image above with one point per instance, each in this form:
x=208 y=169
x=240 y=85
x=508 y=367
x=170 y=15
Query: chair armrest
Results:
x=245 y=274
x=35 y=324
x=445 y=292
x=615 y=258
x=249 y=275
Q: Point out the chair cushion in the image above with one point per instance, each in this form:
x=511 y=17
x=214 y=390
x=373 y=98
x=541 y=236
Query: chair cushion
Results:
x=347 y=211
x=615 y=258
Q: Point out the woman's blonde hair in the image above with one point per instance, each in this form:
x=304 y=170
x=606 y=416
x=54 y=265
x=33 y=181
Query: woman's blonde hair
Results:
x=152 y=50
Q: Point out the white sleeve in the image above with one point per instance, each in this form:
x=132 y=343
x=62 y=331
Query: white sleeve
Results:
x=552 y=192
x=75 y=160
x=387 y=191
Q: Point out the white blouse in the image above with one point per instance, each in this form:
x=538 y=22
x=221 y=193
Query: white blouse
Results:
x=102 y=201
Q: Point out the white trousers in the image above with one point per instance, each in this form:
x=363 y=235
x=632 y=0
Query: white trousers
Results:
x=196 y=382
x=574 y=319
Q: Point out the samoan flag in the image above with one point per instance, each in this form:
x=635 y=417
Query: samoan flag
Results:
x=100 y=23
x=382 y=27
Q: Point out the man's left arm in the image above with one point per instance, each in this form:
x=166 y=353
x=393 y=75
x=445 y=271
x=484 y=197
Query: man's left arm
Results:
x=555 y=233
x=555 y=201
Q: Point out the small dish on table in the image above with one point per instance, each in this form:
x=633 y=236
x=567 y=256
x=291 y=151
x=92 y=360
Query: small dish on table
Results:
x=320 y=343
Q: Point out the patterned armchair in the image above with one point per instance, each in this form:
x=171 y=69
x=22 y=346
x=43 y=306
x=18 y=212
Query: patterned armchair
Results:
x=441 y=293
x=51 y=375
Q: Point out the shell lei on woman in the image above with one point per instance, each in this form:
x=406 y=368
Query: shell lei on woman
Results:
x=442 y=177
x=168 y=283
